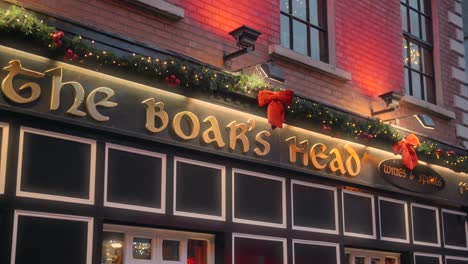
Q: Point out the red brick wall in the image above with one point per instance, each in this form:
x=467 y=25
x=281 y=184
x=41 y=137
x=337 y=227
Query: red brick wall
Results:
x=368 y=44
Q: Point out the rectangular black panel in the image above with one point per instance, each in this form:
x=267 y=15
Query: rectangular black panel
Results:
x=454 y=229
x=51 y=241
x=392 y=219
x=258 y=199
x=306 y=254
x=426 y=260
x=424 y=225
x=313 y=207
x=198 y=189
x=134 y=178
x=455 y=261
x=257 y=251
x=358 y=215
x=55 y=166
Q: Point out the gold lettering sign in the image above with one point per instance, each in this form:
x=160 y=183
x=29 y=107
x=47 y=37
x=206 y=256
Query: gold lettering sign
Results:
x=14 y=68
x=321 y=159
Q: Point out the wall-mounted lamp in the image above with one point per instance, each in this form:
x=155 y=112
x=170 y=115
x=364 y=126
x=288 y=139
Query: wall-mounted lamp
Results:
x=392 y=99
x=245 y=38
x=272 y=71
x=425 y=120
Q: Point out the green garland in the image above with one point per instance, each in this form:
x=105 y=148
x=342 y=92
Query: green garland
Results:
x=25 y=24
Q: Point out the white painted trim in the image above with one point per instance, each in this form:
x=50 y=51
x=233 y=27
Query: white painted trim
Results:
x=256 y=237
x=405 y=205
x=436 y=211
x=426 y=255
x=4 y=155
x=223 y=189
x=455 y=258
x=157 y=236
x=316 y=243
x=443 y=231
x=92 y=172
x=318 y=186
x=265 y=176
x=371 y=196
x=160 y=210
x=88 y=220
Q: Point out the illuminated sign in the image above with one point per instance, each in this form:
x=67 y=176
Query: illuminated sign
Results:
x=421 y=179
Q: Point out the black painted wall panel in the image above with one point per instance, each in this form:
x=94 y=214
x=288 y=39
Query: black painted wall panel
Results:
x=426 y=260
x=313 y=207
x=392 y=218
x=454 y=229
x=55 y=166
x=306 y=254
x=51 y=241
x=257 y=251
x=424 y=225
x=358 y=214
x=198 y=189
x=134 y=179
x=258 y=199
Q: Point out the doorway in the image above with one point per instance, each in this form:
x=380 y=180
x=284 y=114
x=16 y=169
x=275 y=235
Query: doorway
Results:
x=363 y=256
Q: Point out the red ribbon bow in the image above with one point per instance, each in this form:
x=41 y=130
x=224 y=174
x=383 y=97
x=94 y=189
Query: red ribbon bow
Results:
x=275 y=101
x=406 y=148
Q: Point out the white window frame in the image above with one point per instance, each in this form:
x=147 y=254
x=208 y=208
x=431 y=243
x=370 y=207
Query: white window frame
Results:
x=405 y=204
x=426 y=255
x=4 y=155
x=316 y=243
x=88 y=220
x=264 y=176
x=436 y=211
x=257 y=237
x=157 y=236
x=443 y=231
x=223 y=189
x=162 y=208
x=335 y=204
x=372 y=198
x=92 y=170
x=455 y=258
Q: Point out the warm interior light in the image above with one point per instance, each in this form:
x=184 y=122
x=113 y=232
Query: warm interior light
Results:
x=116 y=244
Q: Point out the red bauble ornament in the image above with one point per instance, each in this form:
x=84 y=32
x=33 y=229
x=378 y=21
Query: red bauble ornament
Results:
x=172 y=81
x=70 y=55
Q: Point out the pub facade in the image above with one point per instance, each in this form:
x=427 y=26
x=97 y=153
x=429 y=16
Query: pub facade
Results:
x=115 y=149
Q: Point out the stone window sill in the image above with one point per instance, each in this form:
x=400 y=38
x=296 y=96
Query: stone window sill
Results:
x=295 y=57
x=434 y=109
x=161 y=7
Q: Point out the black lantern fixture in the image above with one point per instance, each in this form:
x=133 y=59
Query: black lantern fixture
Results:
x=391 y=99
x=245 y=38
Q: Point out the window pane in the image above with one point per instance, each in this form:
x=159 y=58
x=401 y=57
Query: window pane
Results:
x=323 y=46
x=314 y=43
x=416 y=85
x=285 y=6
x=405 y=51
x=322 y=13
x=404 y=18
x=300 y=37
x=299 y=8
x=285 y=42
x=376 y=261
x=413 y=3
x=313 y=12
x=390 y=260
x=429 y=90
x=170 y=250
x=112 y=248
x=141 y=248
x=427 y=64
x=197 y=252
x=427 y=29
x=426 y=7
x=359 y=260
x=415 y=56
x=414 y=18
x=407 y=85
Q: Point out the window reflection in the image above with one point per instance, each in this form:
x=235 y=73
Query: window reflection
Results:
x=170 y=250
x=112 y=248
x=141 y=248
x=197 y=252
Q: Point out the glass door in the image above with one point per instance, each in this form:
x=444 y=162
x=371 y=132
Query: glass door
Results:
x=362 y=256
